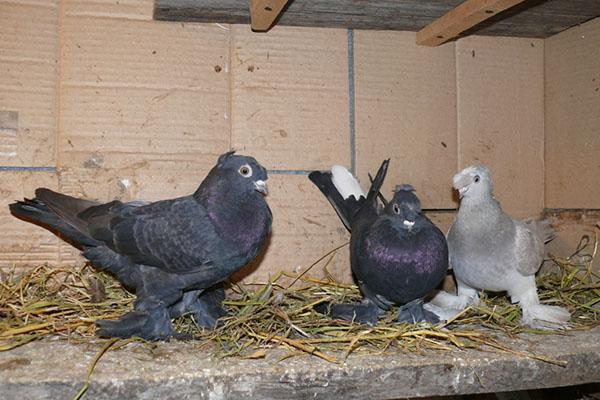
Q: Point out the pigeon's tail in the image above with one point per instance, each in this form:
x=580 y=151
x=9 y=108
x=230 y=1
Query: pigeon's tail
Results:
x=542 y=229
x=342 y=190
x=38 y=212
x=378 y=181
x=345 y=183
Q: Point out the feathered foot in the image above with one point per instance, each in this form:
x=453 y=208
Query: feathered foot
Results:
x=536 y=315
x=366 y=312
x=204 y=305
x=540 y=316
x=149 y=325
x=414 y=312
x=444 y=314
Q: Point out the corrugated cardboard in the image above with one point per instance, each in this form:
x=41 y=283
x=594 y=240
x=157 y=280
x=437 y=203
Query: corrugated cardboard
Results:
x=406 y=110
x=500 y=90
x=290 y=96
x=146 y=107
x=21 y=243
x=305 y=228
x=28 y=81
x=144 y=104
x=122 y=9
x=572 y=66
x=138 y=96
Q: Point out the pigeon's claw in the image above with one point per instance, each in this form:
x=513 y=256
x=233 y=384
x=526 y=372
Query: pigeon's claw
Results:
x=154 y=325
x=414 y=312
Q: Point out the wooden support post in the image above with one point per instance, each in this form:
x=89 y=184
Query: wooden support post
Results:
x=264 y=12
x=461 y=18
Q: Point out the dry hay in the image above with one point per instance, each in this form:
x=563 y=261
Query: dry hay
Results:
x=65 y=302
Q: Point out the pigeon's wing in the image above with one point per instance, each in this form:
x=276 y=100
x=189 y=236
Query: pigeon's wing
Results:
x=174 y=235
x=529 y=249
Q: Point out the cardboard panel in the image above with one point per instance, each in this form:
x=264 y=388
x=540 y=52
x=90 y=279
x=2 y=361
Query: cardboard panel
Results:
x=141 y=102
x=305 y=227
x=125 y=9
x=501 y=116
x=577 y=233
x=23 y=244
x=28 y=71
x=406 y=111
x=290 y=96
x=573 y=117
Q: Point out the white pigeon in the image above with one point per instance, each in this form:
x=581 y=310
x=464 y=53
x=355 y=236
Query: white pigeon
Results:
x=489 y=250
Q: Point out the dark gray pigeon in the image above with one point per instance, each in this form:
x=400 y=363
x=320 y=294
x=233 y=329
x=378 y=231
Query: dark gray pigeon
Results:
x=397 y=255
x=491 y=251
x=174 y=254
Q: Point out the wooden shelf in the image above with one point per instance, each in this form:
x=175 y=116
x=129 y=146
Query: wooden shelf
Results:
x=531 y=18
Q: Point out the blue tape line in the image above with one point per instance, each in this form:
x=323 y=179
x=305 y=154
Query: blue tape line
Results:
x=30 y=169
x=351 y=111
x=289 y=172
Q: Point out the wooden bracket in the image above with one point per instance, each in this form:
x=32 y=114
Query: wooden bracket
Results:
x=461 y=18
x=264 y=12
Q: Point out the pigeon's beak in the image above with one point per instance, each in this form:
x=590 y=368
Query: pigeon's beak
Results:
x=461 y=182
x=408 y=224
x=261 y=187
x=462 y=191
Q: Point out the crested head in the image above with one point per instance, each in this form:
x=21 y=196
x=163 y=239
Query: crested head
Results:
x=474 y=181
x=405 y=205
x=235 y=174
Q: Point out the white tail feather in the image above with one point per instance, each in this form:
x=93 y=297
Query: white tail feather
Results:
x=541 y=316
x=345 y=183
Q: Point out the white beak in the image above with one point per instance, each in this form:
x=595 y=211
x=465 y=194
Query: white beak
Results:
x=261 y=187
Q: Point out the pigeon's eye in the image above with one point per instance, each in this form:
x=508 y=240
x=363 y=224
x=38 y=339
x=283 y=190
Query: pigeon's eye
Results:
x=476 y=179
x=245 y=171
x=396 y=209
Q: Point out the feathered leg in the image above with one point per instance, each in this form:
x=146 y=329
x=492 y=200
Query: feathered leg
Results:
x=366 y=312
x=414 y=312
x=205 y=305
x=536 y=315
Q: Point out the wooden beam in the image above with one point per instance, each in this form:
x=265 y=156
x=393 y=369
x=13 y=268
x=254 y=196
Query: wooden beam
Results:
x=264 y=12
x=461 y=18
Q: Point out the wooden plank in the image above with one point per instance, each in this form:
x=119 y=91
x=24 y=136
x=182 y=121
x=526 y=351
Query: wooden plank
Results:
x=533 y=18
x=55 y=369
x=263 y=13
x=458 y=20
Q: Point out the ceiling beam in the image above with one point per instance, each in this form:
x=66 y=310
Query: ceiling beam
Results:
x=461 y=18
x=264 y=12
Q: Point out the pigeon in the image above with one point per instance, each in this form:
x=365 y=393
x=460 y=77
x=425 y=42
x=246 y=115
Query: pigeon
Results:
x=491 y=251
x=397 y=255
x=173 y=254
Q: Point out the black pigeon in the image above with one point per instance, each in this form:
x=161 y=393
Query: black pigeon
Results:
x=397 y=255
x=174 y=254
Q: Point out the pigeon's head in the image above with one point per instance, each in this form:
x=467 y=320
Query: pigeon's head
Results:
x=405 y=204
x=473 y=181
x=243 y=172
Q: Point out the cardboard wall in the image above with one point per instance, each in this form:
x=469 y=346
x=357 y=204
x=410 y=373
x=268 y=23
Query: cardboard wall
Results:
x=572 y=68
x=572 y=141
x=114 y=105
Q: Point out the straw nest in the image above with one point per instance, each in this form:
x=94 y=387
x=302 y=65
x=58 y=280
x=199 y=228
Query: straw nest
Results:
x=66 y=301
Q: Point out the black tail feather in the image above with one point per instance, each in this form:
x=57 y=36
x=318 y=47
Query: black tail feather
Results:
x=377 y=182
x=37 y=212
x=345 y=208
